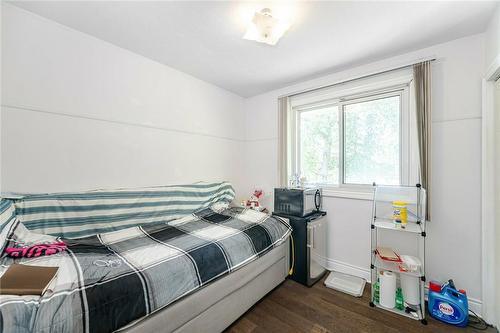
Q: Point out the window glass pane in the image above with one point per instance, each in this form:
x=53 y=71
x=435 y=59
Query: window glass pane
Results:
x=372 y=142
x=319 y=145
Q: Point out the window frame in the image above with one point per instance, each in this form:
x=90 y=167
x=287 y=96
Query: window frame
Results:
x=400 y=84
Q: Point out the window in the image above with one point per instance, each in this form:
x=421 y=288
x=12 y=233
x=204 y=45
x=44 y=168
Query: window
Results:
x=350 y=140
x=319 y=145
x=372 y=141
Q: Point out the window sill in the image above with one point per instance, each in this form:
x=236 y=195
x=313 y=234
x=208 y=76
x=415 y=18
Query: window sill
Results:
x=347 y=193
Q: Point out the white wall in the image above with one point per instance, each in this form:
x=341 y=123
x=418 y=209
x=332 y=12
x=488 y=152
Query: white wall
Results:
x=492 y=38
x=497 y=198
x=454 y=235
x=69 y=100
x=80 y=113
x=492 y=62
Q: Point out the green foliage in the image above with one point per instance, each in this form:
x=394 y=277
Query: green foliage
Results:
x=320 y=145
x=371 y=143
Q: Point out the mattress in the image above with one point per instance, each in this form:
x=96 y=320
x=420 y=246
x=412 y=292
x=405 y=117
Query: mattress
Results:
x=109 y=280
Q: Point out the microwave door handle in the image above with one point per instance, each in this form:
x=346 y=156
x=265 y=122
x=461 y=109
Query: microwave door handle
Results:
x=317 y=199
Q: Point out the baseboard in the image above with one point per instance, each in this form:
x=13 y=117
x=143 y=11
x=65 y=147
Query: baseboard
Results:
x=342 y=267
x=476 y=306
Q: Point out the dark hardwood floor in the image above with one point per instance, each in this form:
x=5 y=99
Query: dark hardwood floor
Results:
x=292 y=307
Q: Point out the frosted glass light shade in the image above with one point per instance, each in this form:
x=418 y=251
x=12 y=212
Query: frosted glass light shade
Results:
x=264 y=28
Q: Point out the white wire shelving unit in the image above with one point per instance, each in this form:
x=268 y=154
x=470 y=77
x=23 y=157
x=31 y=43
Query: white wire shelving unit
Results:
x=382 y=219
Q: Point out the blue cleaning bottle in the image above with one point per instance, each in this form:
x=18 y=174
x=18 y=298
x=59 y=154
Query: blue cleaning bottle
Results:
x=448 y=304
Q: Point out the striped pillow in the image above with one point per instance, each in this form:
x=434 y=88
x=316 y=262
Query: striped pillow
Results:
x=80 y=214
x=7 y=220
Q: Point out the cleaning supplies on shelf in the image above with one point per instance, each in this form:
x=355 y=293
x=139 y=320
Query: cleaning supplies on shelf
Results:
x=387 y=289
x=376 y=292
x=395 y=207
x=400 y=213
x=400 y=304
x=448 y=304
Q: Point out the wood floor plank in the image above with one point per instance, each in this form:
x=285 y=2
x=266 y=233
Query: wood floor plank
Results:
x=244 y=326
x=292 y=307
x=340 y=314
x=359 y=307
x=266 y=322
x=298 y=322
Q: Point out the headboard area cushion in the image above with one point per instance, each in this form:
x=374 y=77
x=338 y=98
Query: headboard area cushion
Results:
x=80 y=214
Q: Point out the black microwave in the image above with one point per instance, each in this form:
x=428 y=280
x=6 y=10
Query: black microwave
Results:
x=297 y=201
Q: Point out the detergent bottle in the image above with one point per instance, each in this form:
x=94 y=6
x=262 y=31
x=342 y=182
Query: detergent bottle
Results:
x=448 y=304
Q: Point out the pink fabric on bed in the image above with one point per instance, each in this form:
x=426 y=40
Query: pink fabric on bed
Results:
x=35 y=250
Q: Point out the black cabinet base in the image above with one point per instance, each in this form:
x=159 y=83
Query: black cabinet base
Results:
x=301 y=253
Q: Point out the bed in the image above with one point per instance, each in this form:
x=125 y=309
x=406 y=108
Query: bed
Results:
x=192 y=272
x=215 y=307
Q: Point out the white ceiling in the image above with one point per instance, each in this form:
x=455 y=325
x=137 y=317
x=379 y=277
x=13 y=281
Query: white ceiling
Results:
x=204 y=38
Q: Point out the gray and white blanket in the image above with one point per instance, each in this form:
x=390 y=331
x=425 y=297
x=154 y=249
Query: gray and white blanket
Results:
x=109 y=280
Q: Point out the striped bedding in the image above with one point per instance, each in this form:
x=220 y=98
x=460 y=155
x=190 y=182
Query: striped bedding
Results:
x=111 y=280
x=7 y=219
x=80 y=214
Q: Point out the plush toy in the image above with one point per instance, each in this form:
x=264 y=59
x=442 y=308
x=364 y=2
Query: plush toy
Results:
x=253 y=202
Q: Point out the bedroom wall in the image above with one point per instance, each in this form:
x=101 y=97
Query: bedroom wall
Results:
x=492 y=56
x=497 y=198
x=454 y=235
x=69 y=99
x=492 y=38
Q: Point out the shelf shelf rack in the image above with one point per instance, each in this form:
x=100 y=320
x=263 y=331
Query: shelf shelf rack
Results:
x=382 y=219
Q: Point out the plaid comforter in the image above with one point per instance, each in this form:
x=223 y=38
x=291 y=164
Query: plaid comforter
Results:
x=107 y=281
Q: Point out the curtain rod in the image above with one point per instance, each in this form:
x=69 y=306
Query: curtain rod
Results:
x=358 y=77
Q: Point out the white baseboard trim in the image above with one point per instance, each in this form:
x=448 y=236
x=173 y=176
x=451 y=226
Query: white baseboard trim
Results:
x=342 y=267
x=476 y=306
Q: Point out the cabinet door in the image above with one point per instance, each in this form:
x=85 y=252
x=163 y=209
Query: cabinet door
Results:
x=316 y=242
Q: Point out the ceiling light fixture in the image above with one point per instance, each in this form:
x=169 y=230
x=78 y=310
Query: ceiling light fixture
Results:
x=265 y=28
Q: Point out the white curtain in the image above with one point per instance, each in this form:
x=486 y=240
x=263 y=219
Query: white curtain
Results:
x=283 y=140
x=422 y=77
